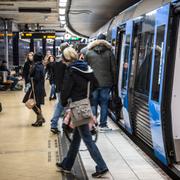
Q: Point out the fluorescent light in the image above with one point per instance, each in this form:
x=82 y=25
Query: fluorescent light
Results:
x=64 y=1
x=62 y=18
x=62 y=4
x=62 y=10
x=63 y=22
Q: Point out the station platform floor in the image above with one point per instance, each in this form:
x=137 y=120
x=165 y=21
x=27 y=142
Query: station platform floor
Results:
x=29 y=153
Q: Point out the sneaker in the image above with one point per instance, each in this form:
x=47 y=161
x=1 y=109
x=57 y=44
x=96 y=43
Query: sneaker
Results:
x=104 y=129
x=55 y=130
x=61 y=169
x=100 y=174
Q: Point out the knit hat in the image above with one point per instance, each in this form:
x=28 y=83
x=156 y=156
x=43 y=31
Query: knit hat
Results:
x=101 y=36
x=38 y=57
x=64 y=46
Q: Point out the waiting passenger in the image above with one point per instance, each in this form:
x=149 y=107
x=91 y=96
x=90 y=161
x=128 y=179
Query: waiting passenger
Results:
x=27 y=69
x=37 y=76
x=50 y=71
x=75 y=84
x=59 y=70
x=101 y=58
x=3 y=67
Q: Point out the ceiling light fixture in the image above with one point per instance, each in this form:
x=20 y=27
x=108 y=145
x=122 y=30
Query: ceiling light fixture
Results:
x=62 y=18
x=62 y=11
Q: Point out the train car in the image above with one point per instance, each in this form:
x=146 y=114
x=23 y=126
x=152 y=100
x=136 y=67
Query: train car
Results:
x=147 y=48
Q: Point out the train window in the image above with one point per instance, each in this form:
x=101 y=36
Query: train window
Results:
x=125 y=63
x=158 y=62
x=143 y=67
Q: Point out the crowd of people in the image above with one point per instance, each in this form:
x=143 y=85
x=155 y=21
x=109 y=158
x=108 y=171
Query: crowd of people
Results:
x=69 y=76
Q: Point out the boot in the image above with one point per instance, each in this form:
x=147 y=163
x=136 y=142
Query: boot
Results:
x=40 y=120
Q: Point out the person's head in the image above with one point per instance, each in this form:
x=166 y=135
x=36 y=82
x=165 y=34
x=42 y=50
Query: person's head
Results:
x=48 y=53
x=4 y=63
x=70 y=55
x=30 y=56
x=63 y=46
x=101 y=36
x=38 y=57
x=51 y=58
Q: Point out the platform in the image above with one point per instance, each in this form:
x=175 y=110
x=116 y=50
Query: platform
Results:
x=28 y=153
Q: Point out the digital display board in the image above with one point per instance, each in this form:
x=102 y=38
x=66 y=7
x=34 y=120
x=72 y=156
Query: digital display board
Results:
x=35 y=35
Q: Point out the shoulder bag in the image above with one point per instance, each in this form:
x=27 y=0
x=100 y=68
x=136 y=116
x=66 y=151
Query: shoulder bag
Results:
x=81 y=110
x=31 y=102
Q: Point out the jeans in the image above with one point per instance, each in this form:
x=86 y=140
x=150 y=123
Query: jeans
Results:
x=101 y=97
x=53 y=90
x=15 y=81
x=84 y=133
x=58 y=109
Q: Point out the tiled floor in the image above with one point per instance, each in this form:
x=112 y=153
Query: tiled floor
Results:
x=26 y=153
x=124 y=159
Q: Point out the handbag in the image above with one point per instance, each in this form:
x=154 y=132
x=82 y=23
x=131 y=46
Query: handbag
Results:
x=81 y=110
x=31 y=102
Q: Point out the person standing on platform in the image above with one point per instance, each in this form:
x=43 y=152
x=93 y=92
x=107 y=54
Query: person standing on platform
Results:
x=59 y=70
x=75 y=87
x=50 y=71
x=37 y=78
x=100 y=57
x=27 y=69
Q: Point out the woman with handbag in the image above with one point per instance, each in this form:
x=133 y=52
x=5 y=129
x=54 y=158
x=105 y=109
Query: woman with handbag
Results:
x=79 y=82
x=34 y=97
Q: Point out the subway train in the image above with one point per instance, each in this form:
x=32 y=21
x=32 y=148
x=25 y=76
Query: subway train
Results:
x=146 y=41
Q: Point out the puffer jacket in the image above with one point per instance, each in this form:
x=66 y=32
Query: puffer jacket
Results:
x=101 y=58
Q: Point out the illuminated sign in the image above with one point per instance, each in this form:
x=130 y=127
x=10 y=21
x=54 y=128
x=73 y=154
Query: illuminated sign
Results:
x=38 y=35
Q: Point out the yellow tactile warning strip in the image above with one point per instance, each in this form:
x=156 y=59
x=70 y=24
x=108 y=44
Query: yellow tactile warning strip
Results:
x=26 y=152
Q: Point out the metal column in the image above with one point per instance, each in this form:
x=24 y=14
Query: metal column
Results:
x=44 y=46
x=54 y=47
x=16 y=48
x=6 y=43
x=31 y=45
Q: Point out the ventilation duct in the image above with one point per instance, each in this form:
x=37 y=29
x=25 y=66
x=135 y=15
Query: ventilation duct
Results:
x=34 y=10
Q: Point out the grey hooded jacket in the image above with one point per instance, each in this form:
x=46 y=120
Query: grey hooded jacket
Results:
x=100 y=57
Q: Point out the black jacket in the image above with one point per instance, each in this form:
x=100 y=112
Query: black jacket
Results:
x=50 y=71
x=37 y=75
x=76 y=80
x=26 y=71
x=59 y=70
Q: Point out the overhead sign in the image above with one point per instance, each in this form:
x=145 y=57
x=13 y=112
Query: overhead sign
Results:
x=38 y=35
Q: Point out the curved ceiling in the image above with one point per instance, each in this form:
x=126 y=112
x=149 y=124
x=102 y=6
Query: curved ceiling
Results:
x=87 y=16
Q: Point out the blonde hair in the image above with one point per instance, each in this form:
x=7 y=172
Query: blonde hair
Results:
x=70 y=54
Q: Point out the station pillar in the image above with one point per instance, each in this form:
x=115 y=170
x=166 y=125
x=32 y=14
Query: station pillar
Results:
x=16 y=48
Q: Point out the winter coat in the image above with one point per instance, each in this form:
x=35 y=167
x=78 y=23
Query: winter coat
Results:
x=26 y=71
x=76 y=80
x=59 y=70
x=101 y=58
x=50 y=71
x=37 y=75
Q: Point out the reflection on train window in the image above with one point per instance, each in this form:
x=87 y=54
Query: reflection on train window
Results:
x=125 y=64
x=158 y=62
x=143 y=67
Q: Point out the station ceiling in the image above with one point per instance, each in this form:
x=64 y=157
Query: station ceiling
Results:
x=83 y=16
x=87 y=16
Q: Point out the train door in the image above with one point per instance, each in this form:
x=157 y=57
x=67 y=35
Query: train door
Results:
x=124 y=71
x=157 y=79
x=176 y=95
x=139 y=77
